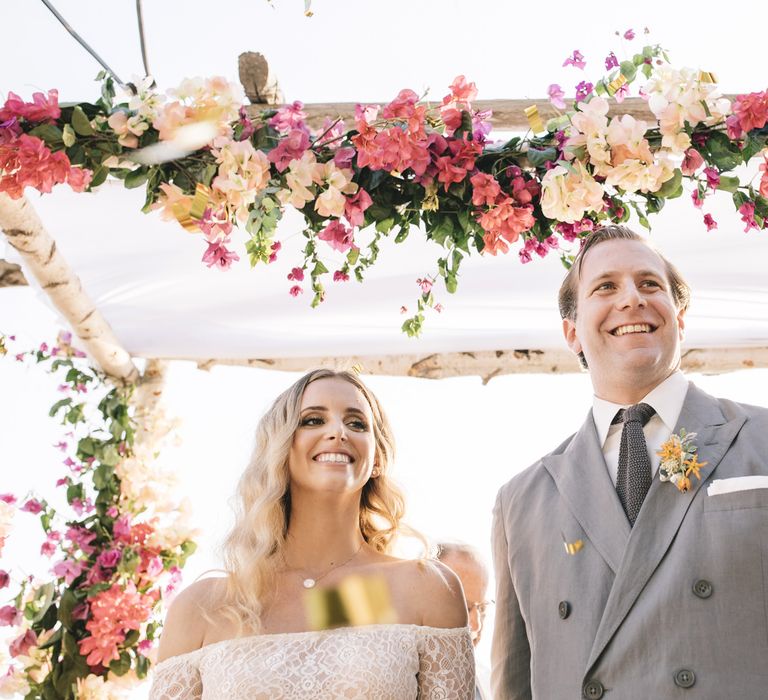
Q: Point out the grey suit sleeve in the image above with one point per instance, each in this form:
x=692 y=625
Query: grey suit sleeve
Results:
x=510 y=651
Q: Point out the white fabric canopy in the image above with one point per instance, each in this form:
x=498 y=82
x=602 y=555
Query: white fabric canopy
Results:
x=146 y=277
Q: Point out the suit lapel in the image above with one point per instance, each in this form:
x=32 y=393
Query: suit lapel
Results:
x=584 y=484
x=663 y=511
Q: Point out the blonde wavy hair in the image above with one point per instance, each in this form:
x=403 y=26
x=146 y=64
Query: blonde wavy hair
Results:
x=254 y=547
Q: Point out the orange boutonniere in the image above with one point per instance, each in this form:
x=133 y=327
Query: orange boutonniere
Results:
x=679 y=460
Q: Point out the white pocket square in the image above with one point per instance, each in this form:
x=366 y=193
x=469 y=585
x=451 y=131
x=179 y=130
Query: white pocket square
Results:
x=737 y=483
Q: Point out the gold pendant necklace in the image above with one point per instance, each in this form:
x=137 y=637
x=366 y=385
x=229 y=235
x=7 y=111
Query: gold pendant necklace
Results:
x=310 y=582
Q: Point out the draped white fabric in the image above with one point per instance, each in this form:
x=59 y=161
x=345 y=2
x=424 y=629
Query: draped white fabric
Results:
x=146 y=277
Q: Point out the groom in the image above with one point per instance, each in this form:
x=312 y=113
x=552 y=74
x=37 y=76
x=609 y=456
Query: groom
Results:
x=611 y=582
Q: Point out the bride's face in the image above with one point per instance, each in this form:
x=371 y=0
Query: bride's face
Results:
x=333 y=448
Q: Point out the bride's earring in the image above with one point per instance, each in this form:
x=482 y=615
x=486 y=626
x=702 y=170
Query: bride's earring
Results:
x=376 y=472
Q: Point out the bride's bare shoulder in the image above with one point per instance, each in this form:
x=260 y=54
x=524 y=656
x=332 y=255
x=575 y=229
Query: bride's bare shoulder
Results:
x=433 y=590
x=188 y=617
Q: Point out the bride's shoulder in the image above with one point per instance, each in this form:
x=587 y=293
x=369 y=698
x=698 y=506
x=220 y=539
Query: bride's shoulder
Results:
x=435 y=590
x=188 y=617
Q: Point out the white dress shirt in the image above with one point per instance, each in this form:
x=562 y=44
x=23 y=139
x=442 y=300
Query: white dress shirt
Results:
x=667 y=400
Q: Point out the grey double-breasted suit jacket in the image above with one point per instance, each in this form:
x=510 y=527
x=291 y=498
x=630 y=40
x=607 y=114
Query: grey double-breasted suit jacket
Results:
x=675 y=607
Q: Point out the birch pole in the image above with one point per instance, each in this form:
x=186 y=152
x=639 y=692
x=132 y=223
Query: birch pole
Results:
x=26 y=233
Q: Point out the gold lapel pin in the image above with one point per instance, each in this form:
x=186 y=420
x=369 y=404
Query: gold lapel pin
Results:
x=572 y=547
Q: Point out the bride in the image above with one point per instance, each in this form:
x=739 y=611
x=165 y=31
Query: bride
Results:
x=315 y=506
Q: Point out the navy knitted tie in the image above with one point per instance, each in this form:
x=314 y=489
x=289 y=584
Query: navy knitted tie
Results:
x=634 y=476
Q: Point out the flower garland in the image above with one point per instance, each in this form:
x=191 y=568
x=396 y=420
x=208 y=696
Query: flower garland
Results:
x=208 y=164
x=117 y=549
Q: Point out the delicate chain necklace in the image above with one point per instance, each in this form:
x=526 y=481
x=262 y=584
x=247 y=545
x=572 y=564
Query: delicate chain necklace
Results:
x=310 y=582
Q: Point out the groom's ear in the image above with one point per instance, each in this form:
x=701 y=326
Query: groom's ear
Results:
x=569 y=331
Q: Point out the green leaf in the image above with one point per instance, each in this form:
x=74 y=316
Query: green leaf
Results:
x=136 y=178
x=538 y=156
x=451 y=283
x=319 y=269
x=122 y=665
x=50 y=133
x=102 y=476
x=728 y=184
x=80 y=122
x=353 y=255
x=402 y=234
x=385 y=225
x=723 y=152
x=67 y=604
x=628 y=70
x=99 y=176
x=58 y=406
x=673 y=187
x=443 y=230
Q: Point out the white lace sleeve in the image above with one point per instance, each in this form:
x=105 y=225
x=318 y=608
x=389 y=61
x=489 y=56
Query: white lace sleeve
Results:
x=177 y=678
x=446 y=664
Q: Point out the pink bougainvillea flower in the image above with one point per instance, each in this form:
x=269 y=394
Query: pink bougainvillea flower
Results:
x=274 y=250
x=622 y=93
x=713 y=178
x=68 y=570
x=42 y=108
x=764 y=177
x=61 y=446
x=80 y=611
x=9 y=616
x=22 y=644
x=80 y=538
x=583 y=90
x=355 y=206
x=247 y=124
x=629 y=34
x=747 y=211
x=403 y=309
x=5 y=578
x=576 y=60
x=296 y=274
x=463 y=91
x=217 y=255
x=751 y=110
x=48 y=549
x=556 y=95
x=295 y=290
x=144 y=647
x=709 y=222
x=154 y=567
x=32 y=506
x=425 y=284
x=611 y=61
x=343 y=157
x=692 y=161
x=697 y=198
x=340 y=276
x=290 y=148
x=338 y=236
x=733 y=127
x=8 y=498
x=114 y=612
x=485 y=189
x=109 y=558
x=289 y=117
x=438 y=307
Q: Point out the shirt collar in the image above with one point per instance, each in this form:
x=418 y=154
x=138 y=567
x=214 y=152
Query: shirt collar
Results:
x=666 y=398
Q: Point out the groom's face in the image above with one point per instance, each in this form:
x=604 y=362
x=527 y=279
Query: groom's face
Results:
x=627 y=324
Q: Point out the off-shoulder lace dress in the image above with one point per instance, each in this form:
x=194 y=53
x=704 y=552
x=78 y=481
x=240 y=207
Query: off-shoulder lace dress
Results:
x=379 y=662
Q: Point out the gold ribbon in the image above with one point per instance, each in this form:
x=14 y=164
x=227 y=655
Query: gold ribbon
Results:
x=707 y=77
x=357 y=600
x=534 y=119
x=616 y=84
x=189 y=213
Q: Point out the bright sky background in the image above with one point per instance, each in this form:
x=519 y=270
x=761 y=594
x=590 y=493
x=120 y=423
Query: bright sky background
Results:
x=458 y=440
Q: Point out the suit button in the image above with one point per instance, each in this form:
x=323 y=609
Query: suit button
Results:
x=593 y=689
x=702 y=588
x=685 y=678
x=563 y=609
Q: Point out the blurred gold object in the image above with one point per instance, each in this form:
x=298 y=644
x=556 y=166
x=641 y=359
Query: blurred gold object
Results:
x=573 y=547
x=189 y=214
x=616 y=84
x=707 y=77
x=534 y=119
x=357 y=600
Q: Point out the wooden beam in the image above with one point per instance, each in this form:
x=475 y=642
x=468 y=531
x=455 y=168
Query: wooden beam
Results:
x=489 y=364
x=26 y=233
x=508 y=115
x=11 y=275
